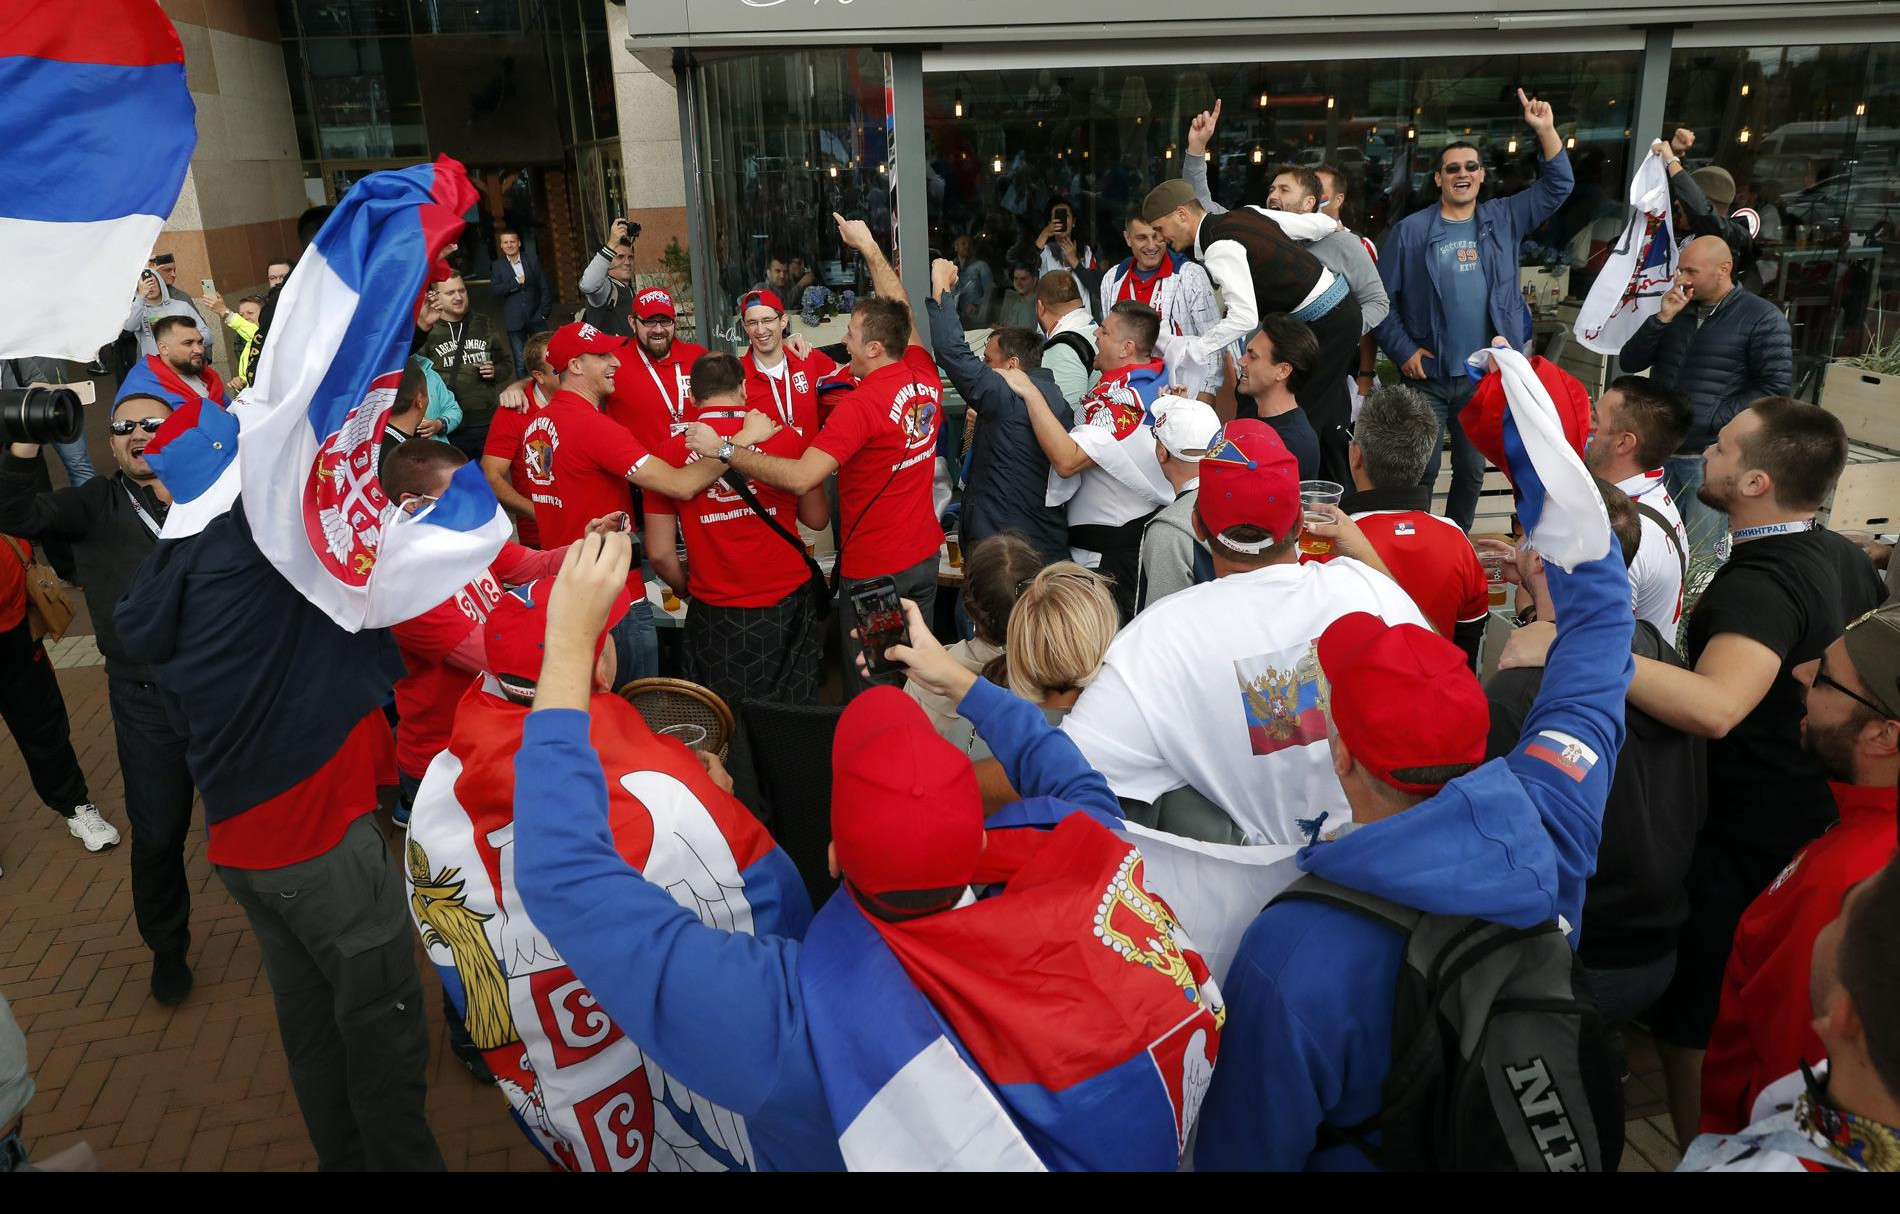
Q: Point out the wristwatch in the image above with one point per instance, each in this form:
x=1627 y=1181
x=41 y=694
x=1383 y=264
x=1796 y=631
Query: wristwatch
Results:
x=725 y=451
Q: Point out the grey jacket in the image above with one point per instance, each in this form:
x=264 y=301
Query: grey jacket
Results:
x=1168 y=548
x=1741 y=352
x=1342 y=252
x=145 y=314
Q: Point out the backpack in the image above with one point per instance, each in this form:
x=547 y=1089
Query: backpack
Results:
x=1500 y=1062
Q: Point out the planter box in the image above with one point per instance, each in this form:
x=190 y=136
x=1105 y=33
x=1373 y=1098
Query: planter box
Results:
x=1543 y=289
x=1867 y=403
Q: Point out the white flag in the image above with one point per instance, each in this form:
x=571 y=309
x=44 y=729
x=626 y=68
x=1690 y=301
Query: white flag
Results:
x=1639 y=269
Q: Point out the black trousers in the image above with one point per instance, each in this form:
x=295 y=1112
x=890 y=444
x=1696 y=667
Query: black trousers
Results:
x=1324 y=395
x=35 y=712
x=756 y=653
x=158 y=791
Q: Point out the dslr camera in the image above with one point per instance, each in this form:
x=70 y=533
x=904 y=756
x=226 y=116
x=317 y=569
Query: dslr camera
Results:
x=40 y=414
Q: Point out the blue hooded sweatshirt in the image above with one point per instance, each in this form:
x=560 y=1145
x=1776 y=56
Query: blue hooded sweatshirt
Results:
x=1308 y=1040
x=722 y=1012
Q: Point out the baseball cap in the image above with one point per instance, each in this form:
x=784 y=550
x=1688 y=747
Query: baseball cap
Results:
x=1717 y=183
x=760 y=299
x=1401 y=696
x=1164 y=198
x=572 y=340
x=1185 y=427
x=1249 y=477
x=905 y=810
x=652 y=302
x=1873 y=646
x=515 y=635
x=194 y=454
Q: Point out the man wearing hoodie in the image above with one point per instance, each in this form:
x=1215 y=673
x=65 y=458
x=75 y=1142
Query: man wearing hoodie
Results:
x=917 y=1026
x=1309 y=1036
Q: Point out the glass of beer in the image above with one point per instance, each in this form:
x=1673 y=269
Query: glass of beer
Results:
x=691 y=736
x=953 y=543
x=1315 y=498
x=1493 y=562
x=669 y=601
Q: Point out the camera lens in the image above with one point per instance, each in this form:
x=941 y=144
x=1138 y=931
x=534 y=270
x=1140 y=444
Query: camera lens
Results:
x=40 y=415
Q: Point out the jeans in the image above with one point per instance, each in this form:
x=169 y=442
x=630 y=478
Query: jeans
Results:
x=518 y=342
x=918 y=584
x=35 y=712
x=469 y=438
x=636 y=645
x=158 y=790
x=1447 y=397
x=1682 y=475
x=337 y=944
x=78 y=460
x=1624 y=994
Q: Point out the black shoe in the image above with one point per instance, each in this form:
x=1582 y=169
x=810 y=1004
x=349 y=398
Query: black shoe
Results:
x=171 y=977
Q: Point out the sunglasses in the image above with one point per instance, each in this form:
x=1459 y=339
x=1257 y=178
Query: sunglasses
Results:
x=124 y=426
x=1821 y=680
x=1469 y=166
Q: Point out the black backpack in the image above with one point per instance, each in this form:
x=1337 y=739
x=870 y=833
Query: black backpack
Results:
x=1500 y=1062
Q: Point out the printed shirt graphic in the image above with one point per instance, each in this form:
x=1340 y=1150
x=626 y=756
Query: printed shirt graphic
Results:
x=733 y=558
x=1280 y=693
x=577 y=461
x=884 y=437
x=1462 y=293
x=1113 y=427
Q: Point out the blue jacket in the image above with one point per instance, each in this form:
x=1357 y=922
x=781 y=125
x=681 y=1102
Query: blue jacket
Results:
x=1308 y=1040
x=721 y=1012
x=1409 y=265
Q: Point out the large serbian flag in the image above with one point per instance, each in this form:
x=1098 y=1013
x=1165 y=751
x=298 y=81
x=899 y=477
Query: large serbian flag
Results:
x=314 y=415
x=580 y=1089
x=1639 y=269
x=153 y=376
x=98 y=129
x=937 y=1055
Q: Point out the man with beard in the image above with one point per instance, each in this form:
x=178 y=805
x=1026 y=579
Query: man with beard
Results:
x=1784 y=596
x=1852 y=729
x=178 y=372
x=651 y=398
x=472 y=358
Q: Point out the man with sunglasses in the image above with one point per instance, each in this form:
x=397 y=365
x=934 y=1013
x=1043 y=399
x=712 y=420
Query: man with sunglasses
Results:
x=1451 y=275
x=1851 y=727
x=112 y=524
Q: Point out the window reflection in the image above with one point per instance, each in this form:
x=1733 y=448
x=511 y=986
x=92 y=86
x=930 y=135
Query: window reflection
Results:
x=364 y=97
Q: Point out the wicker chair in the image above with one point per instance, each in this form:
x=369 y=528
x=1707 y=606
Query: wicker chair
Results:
x=791 y=751
x=663 y=703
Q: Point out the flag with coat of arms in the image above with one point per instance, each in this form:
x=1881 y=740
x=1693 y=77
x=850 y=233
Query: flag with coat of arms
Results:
x=313 y=417
x=1639 y=269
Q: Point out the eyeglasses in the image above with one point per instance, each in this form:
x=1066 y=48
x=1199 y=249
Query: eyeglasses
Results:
x=1821 y=680
x=1469 y=166
x=124 y=426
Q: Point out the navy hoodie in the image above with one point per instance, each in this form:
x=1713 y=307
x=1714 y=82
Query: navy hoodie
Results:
x=265 y=685
x=1308 y=1040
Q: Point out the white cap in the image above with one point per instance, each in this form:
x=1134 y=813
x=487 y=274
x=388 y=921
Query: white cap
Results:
x=1185 y=427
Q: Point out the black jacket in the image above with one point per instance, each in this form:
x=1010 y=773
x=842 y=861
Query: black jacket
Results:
x=1741 y=352
x=1636 y=903
x=108 y=539
x=1009 y=474
x=1706 y=220
x=524 y=304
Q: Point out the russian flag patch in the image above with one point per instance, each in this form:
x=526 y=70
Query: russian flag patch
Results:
x=1565 y=753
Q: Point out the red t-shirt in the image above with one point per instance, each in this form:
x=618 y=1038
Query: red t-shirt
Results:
x=734 y=559
x=1432 y=561
x=504 y=440
x=651 y=398
x=578 y=462
x=790 y=398
x=884 y=436
x=310 y=817
x=1764 y=1030
x=13 y=584
x=426 y=696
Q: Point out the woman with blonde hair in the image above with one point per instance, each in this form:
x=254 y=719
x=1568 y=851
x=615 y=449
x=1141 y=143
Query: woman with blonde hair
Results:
x=1058 y=635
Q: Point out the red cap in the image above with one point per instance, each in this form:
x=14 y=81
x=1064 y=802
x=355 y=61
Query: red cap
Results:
x=570 y=341
x=905 y=810
x=1483 y=414
x=515 y=636
x=1401 y=696
x=1249 y=477
x=654 y=301
x=760 y=299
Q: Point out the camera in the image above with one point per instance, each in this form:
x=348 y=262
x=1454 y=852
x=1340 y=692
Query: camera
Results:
x=633 y=230
x=40 y=414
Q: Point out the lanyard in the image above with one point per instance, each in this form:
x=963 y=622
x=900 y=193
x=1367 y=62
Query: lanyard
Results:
x=782 y=404
x=145 y=517
x=676 y=404
x=1727 y=543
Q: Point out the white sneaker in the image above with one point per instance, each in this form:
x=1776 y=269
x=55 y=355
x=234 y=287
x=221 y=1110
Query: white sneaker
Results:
x=89 y=828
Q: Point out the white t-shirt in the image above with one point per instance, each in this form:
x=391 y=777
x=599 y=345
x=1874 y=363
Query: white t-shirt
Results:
x=1656 y=573
x=1214 y=687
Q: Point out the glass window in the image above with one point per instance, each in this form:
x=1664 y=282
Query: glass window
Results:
x=364 y=98
x=465 y=16
x=1006 y=146
x=300 y=100
x=353 y=17
x=785 y=140
x=602 y=108
x=1810 y=136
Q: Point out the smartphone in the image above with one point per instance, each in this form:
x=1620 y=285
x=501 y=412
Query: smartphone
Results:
x=880 y=623
x=208 y=286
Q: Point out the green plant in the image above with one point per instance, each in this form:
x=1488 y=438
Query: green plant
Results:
x=1880 y=360
x=676 y=260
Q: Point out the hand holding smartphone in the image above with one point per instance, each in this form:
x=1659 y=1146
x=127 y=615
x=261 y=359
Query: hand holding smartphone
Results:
x=880 y=614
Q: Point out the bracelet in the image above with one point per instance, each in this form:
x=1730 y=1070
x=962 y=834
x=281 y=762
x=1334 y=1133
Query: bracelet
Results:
x=1673 y=160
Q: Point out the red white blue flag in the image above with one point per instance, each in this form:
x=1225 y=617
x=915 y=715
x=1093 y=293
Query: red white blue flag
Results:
x=314 y=416
x=1639 y=269
x=98 y=129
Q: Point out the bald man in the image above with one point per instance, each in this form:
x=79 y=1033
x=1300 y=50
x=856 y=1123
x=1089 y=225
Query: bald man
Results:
x=1720 y=346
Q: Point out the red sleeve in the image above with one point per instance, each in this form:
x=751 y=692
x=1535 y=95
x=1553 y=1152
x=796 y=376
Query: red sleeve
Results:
x=846 y=431
x=1474 y=596
x=922 y=365
x=659 y=503
x=786 y=444
x=820 y=364
x=518 y=565
x=673 y=450
x=437 y=631
x=504 y=434
x=609 y=445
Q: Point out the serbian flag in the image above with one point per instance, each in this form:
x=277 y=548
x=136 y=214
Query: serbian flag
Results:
x=1557 y=498
x=580 y=1089
x=1639 y=269
x=314 y=414
x=937 y=1054
x=153 y=376
x=98 y=129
